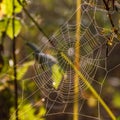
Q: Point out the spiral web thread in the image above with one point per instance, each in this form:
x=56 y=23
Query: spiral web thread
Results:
x=93 y=64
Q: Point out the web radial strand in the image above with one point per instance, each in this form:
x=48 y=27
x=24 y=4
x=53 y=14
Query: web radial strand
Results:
x=92 y=49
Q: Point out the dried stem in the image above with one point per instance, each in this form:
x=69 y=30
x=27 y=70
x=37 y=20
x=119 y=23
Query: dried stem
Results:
x=77 y=61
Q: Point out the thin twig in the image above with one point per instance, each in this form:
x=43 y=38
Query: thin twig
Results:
x=36 y=24
x=109 y=15
x=15 y=62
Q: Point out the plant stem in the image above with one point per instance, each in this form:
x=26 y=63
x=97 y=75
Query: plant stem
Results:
x=89 y=86
x=77 y=61
x=15 y=80
x=14 y=61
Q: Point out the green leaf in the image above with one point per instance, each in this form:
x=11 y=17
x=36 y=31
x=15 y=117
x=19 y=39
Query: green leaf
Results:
x=116 y=100
x=57 y=74
x=5 y=65
x=7 y=7
x=27 y=112
x=23 y=69
x=42 y=112
x=2 y=25
x=6 y=25
x=17 y=24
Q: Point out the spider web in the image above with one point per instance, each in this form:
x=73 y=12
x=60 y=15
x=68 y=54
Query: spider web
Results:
x=58 y=94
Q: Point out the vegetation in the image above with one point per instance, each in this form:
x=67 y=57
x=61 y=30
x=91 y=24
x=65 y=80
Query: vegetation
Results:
x=25 y=21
